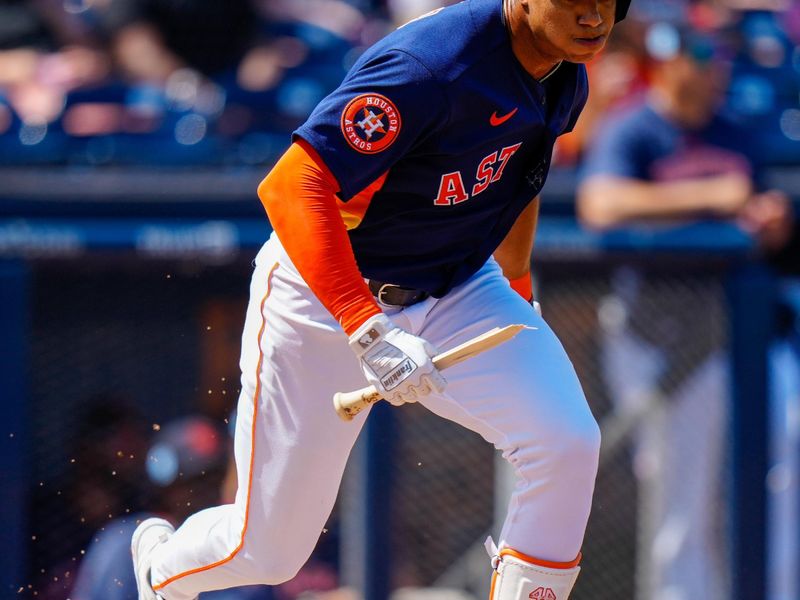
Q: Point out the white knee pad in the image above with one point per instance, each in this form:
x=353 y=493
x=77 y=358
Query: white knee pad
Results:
x=519 y=577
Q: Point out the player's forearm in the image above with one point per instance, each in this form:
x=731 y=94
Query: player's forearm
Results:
x=298 y=195
x=610 y=201
x=514 y=252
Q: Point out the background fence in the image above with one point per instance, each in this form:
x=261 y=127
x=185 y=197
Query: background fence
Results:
x=670 y=346
x=128 y=220
x=114 y=326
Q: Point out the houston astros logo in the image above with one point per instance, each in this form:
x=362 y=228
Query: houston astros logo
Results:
x=370 y=123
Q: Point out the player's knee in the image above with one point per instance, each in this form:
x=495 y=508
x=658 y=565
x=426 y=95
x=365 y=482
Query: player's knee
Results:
x=571 y=444
x=268 y=565
x=280 y=571
x=271 y=569
x=577 y=445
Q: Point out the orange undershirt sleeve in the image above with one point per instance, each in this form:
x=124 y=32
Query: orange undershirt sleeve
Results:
x=299 y=195
x=523 y=286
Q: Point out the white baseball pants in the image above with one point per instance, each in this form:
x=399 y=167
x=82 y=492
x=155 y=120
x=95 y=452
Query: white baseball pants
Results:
x=291 y=448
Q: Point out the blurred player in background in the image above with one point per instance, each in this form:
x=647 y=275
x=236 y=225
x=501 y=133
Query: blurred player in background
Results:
x=674 y=159
x=186 y=469
x=387 y=209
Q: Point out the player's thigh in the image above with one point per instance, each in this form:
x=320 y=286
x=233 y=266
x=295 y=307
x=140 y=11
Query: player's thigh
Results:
x=291 y=447
x=523 y=390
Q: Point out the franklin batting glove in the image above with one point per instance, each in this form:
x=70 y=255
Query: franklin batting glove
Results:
x=396 y=362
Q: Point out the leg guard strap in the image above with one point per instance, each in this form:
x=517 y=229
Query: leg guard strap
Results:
x=520 y=577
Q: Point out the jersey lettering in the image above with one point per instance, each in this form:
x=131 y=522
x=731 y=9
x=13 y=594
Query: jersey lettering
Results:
x=485 y=173
x=505 y=155
x=451 y=190
x=451 y=186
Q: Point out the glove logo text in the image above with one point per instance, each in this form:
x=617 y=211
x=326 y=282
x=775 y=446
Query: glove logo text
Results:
x=394 y=378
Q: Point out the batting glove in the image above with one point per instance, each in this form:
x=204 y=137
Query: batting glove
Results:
x=396 y=362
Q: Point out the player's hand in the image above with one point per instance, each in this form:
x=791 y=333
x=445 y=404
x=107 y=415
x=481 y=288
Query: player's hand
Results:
x=730 y=192
x=396 y=362
x=768 y=217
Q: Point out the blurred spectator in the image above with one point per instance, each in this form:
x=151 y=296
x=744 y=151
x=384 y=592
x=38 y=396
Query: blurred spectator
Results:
x=190 y=466
x=676 y=158
x=167 y=81
x=152 y=39
x=765 y=83
x=103 y=480
x=185 y=467
x=762 y=56
x=41 y=60
x=336 y=16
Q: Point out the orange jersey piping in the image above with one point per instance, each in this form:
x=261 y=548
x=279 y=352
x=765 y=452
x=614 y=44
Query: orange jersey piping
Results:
x=236 y=550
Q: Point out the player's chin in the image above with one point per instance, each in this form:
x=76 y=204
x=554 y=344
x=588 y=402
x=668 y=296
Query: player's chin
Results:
x=585 y=49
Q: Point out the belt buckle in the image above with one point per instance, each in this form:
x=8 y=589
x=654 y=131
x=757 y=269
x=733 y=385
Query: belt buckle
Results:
x=382 y=291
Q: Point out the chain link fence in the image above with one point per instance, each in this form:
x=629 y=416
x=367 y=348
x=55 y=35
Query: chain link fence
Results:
x=121 y=345
x=118 y=348
x=648 y=342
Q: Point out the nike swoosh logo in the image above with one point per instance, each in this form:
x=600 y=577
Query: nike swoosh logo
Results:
x=495 y=120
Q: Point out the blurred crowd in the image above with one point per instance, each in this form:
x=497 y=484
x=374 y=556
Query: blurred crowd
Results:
x=188 y=82
x=750 y=51
x=199 y=81
x=169 y=81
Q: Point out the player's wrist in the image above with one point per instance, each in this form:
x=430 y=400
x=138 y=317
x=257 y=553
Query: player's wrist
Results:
x=371 y=331
x=354 y=319
x=523 y=285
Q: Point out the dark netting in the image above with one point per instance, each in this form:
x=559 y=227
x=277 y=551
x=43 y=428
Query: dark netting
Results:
x=648 y=342
x=443 y=482
x=119 y=347
x=642 y=338
x=122 y=344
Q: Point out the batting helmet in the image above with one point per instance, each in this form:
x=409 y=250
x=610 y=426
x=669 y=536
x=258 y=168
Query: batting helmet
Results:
x=184 y=449
x=622 y=9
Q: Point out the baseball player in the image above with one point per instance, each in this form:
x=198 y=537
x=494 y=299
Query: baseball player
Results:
x=402 y=209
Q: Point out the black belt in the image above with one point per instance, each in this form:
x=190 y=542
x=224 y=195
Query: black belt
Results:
x=396 y=295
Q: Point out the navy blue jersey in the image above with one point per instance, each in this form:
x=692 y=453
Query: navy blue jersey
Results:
x=642 y=144
x=439 y=139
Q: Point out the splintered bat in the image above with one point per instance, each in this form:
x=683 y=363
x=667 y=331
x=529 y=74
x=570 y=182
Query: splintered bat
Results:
x=349 y=404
